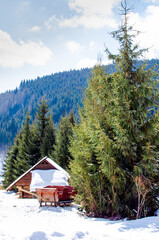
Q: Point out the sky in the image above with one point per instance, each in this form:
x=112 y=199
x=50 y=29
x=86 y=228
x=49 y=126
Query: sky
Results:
x=41 y=37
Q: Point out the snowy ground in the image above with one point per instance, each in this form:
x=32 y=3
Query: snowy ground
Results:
x=23 y=219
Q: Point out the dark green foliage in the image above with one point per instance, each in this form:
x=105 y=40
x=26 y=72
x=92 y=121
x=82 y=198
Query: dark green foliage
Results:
x=115 y=146
x=9 y=166
x=63 y=92
x=34 y=142
x=61 y=152
x=23 y=157
x=43 y=134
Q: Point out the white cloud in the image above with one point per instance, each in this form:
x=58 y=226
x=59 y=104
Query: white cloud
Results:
x=93 y=7
x=93 y=21
x=74 y=47
x=13 y=54
x=89 y=14
x=86 y=62
x=52 y=22
x=35 y=29
x=149 y=37
x=91 y=62
x=93 y=46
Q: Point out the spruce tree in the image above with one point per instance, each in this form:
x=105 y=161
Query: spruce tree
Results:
x=30 y=145
x=18 y=158
x=48 y=141
x=43 y=134
x=23 y=158
x=115 y=145
x=10 y=163
x=61 y=152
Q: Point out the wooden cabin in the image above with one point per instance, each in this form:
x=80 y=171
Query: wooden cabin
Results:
x=24 y=182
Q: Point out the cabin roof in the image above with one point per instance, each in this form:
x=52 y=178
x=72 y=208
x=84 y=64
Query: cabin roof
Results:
x=55 y=165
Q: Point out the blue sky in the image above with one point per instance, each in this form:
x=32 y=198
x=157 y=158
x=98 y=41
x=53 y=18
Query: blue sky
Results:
x=40 y=37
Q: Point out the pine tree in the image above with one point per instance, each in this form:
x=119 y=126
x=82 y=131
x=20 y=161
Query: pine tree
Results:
x=43 y=134
x=30 y=145
x=115 y=142
x=23 y=158
x=10 y=163
x=61 y=152
x=18 y=157
x=48 y=141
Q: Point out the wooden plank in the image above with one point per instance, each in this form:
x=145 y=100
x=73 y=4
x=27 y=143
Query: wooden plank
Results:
x=47 y=195
x=26 y=191
x=44 y=166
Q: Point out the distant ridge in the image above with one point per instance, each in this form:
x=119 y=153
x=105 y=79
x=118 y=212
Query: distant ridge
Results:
x=63 y=92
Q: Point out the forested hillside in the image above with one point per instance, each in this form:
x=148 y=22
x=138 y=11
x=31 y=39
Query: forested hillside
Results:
x=63 y=91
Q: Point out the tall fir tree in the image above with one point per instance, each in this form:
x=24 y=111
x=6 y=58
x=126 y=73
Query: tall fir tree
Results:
x=23 y=157
x=43 y=134
x=114 y=147
x=30 y=145
x=61 y=153
x=10 y=163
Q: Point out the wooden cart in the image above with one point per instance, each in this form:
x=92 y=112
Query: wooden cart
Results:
x=48 y=196
x=66 y=194
x=52 y=195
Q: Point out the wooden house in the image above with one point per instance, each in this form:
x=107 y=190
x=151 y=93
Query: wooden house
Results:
x=34 y=177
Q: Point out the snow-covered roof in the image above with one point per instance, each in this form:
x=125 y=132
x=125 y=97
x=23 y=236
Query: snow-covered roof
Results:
x=55 y=165
x=43 y=178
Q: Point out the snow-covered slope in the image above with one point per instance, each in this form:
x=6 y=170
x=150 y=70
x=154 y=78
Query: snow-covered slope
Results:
x=23 y=219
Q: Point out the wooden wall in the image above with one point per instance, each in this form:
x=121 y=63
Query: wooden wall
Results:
x=25 y=181
x=44 y=165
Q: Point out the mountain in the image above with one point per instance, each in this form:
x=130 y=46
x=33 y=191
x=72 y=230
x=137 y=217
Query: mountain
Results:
x=63 y=91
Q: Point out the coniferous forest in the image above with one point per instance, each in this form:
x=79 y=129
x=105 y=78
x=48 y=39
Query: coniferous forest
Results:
x=112 y=150
x=63 y=91
x=115 y=146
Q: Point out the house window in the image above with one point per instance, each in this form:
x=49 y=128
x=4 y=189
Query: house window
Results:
x=45 y=162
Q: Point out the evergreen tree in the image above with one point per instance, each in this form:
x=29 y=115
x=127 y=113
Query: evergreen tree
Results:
x=30 y=145
x=35 y=153
x=48 y=141
x=23 y=158
x=61 y=152
x=115 y=143
x=18 y=158
x=43 y=134
x=10 y=163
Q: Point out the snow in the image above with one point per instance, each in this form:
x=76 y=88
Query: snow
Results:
x=43 y=178
x=57 y=167
x=23 y=219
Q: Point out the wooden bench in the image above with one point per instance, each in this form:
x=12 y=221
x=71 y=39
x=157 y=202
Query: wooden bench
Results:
x=47 y=195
